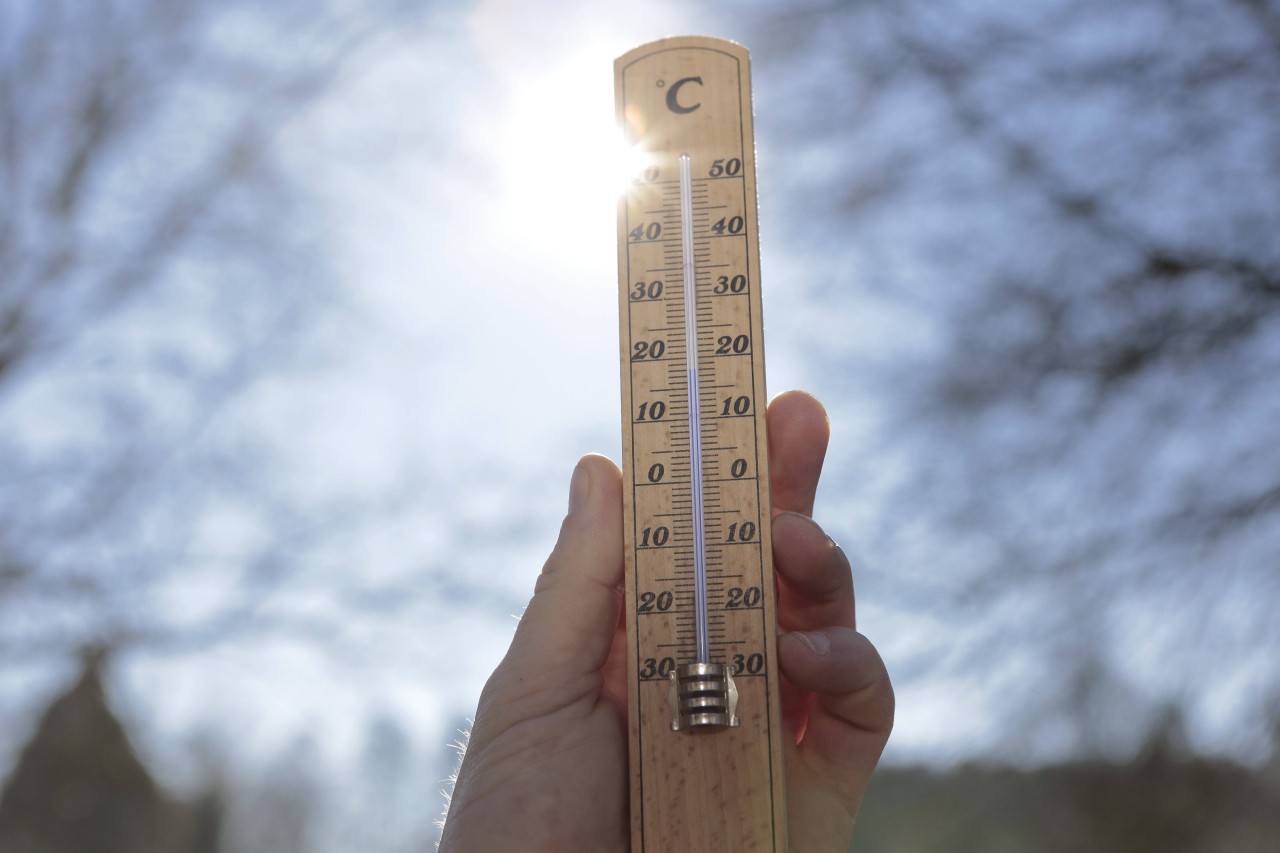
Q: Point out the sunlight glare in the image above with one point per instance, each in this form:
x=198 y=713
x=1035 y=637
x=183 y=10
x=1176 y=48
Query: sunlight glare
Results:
x=563 y=162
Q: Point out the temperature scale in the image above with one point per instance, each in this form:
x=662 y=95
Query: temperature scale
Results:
x=705 y=726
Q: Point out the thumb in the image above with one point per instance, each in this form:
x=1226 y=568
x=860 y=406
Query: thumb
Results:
x=568 y=627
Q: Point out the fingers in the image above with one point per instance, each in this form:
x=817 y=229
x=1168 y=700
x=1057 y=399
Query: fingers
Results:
x=815 y=580
x=569 y=625
x=851 y=710
x=837 y=698
x=798 y=433
x=815 y=591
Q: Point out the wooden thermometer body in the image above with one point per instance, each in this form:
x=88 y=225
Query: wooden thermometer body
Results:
x=699 y=576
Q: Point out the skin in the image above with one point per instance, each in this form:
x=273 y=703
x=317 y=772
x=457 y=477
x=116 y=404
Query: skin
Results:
x=546 y=765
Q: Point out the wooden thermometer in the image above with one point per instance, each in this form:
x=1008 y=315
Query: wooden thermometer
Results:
x=705 y=727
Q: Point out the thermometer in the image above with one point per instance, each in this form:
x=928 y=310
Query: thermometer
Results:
x=705 y=726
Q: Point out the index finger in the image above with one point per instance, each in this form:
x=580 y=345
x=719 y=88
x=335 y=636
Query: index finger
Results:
x=798 y=434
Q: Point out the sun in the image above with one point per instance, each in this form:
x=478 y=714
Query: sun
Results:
x=562 y=162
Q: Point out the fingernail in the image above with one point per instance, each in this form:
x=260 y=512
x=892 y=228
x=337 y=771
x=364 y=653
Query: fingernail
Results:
x=579 y=487
x=817 y=641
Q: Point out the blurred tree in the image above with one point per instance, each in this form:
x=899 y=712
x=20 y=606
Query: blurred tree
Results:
x=159 y=265
x=80 y=787
x=383 y=810
x=1056 y=226
x=276 y=810
x=1164 y=800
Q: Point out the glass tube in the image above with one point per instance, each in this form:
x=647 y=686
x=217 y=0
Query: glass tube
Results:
x=695 y=419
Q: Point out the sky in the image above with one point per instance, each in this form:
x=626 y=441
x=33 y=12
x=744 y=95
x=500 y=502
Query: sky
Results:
x=477 y=359
x=465 y=179
x=480 y=281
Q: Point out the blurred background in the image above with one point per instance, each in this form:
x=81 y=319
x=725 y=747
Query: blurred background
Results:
x=274 y=482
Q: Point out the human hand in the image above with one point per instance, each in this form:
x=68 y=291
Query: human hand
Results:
x=836 y=697
x=546 y=764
